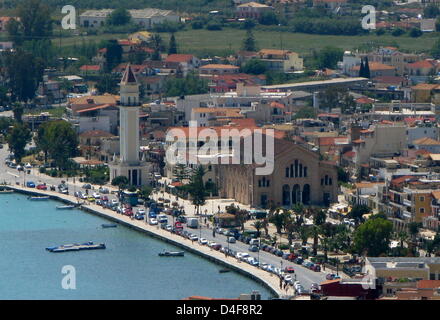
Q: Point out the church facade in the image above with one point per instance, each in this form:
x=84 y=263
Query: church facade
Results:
x=299 y=176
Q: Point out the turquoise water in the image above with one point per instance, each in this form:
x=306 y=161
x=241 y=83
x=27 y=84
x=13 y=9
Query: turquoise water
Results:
x=128 y=269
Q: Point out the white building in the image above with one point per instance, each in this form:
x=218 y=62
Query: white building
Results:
x=129 y=164
x=146 y=18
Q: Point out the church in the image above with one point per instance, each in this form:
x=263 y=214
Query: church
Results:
x=299 y=176
x=129 y=163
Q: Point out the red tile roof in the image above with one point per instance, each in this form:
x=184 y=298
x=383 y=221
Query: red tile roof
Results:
x=90 y=68
x=179 y=58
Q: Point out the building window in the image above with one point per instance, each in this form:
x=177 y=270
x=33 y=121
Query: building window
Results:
x=305 y=172
x=422 y=210
x=422 y=199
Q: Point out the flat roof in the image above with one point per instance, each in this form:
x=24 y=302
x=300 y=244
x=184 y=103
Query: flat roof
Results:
x=315 y=83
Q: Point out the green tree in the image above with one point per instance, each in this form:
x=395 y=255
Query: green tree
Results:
x=107 y=83
x=157 y=45
x=431 y=11
x=62 y=142
x=24 y=72
x=145 y=192
x=357 y=211
x=34 y=21
x=18 y=110
x=254 y=66
x=197 y=188
x=306 y=113
x=268 y=18
x=17 y=139
x=118 y=17
x=373 y=236
x=120 y=181
x=191 y=84
x=172 y=47
x=258 y=225
x=249 y=43
x=180 y=171
x=113 y=55
x=415 y=32
x=328 y=57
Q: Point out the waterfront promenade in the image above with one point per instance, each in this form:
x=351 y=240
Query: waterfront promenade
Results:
x=269 y=280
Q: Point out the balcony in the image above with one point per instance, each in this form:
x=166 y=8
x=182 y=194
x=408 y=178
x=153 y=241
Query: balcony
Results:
x=407 y=202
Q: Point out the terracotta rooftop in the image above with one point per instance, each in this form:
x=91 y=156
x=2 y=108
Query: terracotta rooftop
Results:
x=426 y=141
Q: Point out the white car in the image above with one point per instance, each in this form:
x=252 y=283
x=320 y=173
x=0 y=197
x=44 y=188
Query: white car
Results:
x=193 y=237
x=114 y=201
x=103 y=190
x=96 y=195
x=203 y=241
x=28 y=166
x=153 y=221
x=288 y=278
x=211 y=244
x=140 y=211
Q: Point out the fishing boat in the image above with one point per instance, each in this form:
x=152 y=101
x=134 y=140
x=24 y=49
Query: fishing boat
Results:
x=109 y=225
x=67 y=207
x=171 y=254
x=39 y=198
x=76 y=247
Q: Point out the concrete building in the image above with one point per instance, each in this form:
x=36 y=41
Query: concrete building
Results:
x=252 y=10
x=421 y=268
x=281 y=60
x=145 y=18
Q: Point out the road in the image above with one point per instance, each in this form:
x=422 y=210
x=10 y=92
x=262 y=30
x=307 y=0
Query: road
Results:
x=304 y=275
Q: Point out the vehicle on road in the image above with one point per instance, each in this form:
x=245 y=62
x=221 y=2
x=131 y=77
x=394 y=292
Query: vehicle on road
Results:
x=103 y=190
x=253 y=248
x=203 y=241
x=289 y=270
x=153 y=221
x=41 y=187
x=87 y=186
x=231 y=240
x=30 y=184
x=193 y=237
x=192 y=223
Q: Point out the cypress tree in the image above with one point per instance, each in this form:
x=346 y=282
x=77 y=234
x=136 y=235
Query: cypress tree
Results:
x=362 y=69
x=367 y=68
x=173 y=46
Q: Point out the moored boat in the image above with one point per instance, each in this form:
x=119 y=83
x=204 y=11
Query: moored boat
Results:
x=172 y=254
x=39 y=198
x=67 y=207
x=109 y=225
x=76 y=247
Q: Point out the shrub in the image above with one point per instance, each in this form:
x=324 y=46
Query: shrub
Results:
x=397 y=32
x=212 y=26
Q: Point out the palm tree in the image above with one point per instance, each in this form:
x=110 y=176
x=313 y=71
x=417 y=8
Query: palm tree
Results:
x=258 y=225
x=265 y=226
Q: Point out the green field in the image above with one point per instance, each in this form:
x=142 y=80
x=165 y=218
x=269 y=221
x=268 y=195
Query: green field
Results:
x=205 y=42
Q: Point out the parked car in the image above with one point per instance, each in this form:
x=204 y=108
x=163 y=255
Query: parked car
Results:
x=41 y=187
x=330 y=276
x=289 y=269
x=203 y=241
x=253 y=248
x=231 y=240
x=103 y=190
x=193 y=237
x=87 y=186
x=30 y=184
x=153 y=221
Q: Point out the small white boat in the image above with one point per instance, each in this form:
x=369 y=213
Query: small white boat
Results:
x=67 y=207
x=39 y=198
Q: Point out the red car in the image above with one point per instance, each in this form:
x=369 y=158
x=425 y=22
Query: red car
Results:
x=289 y=270
x=42 y=187
x=292 y=257
x=104 y=198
